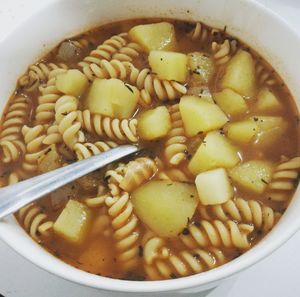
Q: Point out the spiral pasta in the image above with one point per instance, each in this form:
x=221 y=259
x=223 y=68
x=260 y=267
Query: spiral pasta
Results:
x=284 y=180
x=224 y=51
x=202 y=33
x=126 y=229
x=264 y=76
x=38 y=74
x=217 y=233
x=114 y=129
x=128 y=52
x=175 y=147
x=240 y=210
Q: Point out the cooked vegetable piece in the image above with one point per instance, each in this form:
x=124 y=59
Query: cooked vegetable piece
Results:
x=158 y=36
x=214 y=152
x=267 y=101
x=202 y=67
x=231 y=102
x=253 y=175
x=214 y=187
x=154 y=123
x=72 y=223
x=169 y=65
x=50 y=160
x=165 y=206
x=72 y=82
x=201 y=91
x=200 y=115
x=240 y=74
x=243 y=131
x=60 y=197
x=89 y=182
x=113 y=98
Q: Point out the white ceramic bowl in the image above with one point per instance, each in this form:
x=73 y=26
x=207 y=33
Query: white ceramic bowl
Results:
x=247 y=20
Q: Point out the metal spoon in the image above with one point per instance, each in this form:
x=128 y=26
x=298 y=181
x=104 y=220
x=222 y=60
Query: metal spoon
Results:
x=14 y=197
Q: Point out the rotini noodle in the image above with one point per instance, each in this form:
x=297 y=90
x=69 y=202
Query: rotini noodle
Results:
x=223 y=52
x=264 y=76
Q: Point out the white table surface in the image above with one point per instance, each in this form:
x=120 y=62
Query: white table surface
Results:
x=276 y=276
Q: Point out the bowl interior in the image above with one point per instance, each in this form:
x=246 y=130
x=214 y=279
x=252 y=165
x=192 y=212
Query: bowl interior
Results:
x=276 y=42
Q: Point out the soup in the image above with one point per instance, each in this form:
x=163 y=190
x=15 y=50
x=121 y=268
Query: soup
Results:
x=220 y=162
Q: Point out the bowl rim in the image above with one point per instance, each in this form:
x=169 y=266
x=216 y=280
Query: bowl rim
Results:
x=59 y=268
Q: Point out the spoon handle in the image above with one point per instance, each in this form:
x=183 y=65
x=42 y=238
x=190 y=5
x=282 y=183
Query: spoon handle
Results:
x=14 y=197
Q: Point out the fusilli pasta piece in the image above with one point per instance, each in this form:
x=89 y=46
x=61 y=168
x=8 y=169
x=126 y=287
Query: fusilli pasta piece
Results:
x=217 y=233
x=201 y=33
x=240 y=210
x=128 y=52
x=264 y=76
x=115 y=129
x=99 y=200
x=223 y=52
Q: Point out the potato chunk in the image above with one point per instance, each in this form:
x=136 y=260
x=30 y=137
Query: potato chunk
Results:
x=72 y=82
x=72 y=223
x=154 y=123
x=267 y=101
x=231 y=102
x=50 y=160
x=202 y=67
x=158 y=36
x=200 y=115
x=165 y=206
x=214 y=187
x=253 y=175
x=243 y=131
x=240 y=74
x=113 y=98
x=169 y=65
x=216 y=151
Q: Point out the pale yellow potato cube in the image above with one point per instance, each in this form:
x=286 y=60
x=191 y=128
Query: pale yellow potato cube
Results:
x=72 y=224
x=158 y=36
x=214 y=187
x=267 y=102
x=253 y=175
x=200 y=116
x=214 y=152
x=243 y=131
x=165 y=206
x=168 y=65
x=72 y=82
x=240 y=74
x=231 y=102
x=112 y=97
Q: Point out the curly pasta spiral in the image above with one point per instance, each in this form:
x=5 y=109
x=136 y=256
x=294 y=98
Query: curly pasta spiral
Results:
x=224 y=51
x=240 y=210
x=35 y=221
x=202 y=33
x=128 y=52
x=37 y=74
x=285 y=179
x=264 y=76
x=126 y=229
x=217 y=233
x=175 y=147
x=115 y=129
x=86 y=150
x=11 y=140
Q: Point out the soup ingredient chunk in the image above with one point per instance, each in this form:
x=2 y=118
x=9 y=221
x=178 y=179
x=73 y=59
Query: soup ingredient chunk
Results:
x=154 y=123
x=169 y=65
x=240 y=74
x=72 y=224
x=159 y=36
x=231 y=102
x=72 y=82
x=200 y=116
x=214 y=187
x=165 y=207
x=113 y=98
x=242 y=131
x=267 y=101
x=253 y=175
x=214 y=152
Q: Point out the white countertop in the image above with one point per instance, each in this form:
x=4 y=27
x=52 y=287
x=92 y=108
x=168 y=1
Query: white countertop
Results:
x=276 y=276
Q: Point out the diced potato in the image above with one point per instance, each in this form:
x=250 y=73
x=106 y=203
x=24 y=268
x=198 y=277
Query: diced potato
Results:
x=158 y=36
x=202 y=67
x=231 y=102
x=216 y=151
x=169 y=65
x=201 y=91
x=154 y=123
x=267 y=101
x=200 y=116
x=50 y=160
x=243 y=131
x=72 y=82
x=240 y=74
x=214 y=187
x=165 y=206
x=72 y=223
x=113 y=98
x=253 y=175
